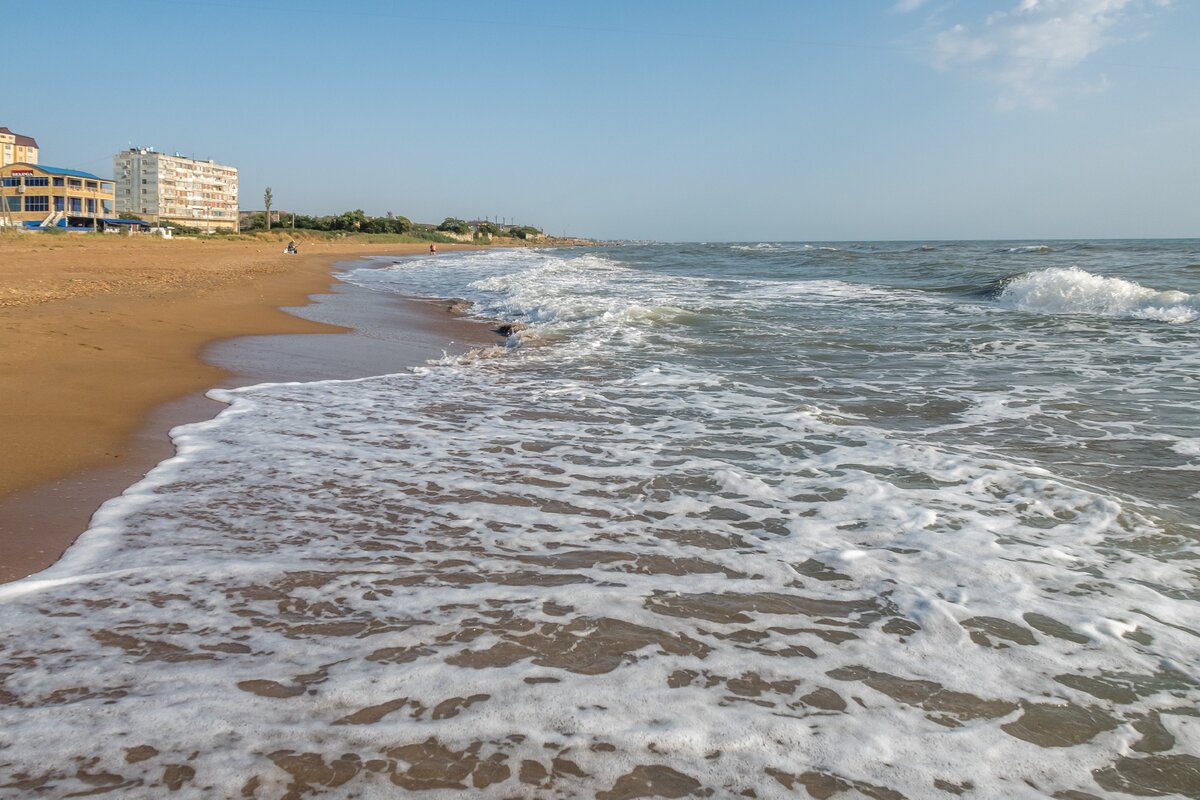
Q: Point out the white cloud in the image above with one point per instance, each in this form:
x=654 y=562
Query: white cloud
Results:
x=1031 y=52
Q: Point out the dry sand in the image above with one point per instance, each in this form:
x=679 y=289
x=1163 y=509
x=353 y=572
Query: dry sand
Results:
x=98 y=332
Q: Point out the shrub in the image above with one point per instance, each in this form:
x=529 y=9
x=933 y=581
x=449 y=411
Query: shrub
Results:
x=524 y=232
x=182 y=230
x=454 y=225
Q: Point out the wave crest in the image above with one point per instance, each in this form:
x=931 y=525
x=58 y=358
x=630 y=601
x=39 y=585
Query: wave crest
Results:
x=1072 y=290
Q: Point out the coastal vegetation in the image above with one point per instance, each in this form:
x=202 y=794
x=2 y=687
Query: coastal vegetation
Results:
x=524 y=232
x=283 y=233
x=454 y=225
x=354 y=223
x=451 y=229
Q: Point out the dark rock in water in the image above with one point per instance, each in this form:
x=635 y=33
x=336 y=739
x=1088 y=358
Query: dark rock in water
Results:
x=459 y=306
x=509 y=328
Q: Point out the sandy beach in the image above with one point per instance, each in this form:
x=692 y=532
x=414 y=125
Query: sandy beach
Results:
x=100 y=345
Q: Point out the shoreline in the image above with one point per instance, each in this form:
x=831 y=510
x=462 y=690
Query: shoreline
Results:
x=98 y=379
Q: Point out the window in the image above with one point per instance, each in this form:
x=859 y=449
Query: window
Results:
x=91 y=205
x=59 y=181
x=107 y=206
x=76 y=204
x=58 y=203
x=13 y=203
x=74 y=183
x=39 y=202
x=91 y=184
x=12 y=181
x=31 y=181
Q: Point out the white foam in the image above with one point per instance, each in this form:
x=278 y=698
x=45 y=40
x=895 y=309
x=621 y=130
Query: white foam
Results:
x=757 y=247
x=1188 y=447
x=1075 y=291
x=769 y=523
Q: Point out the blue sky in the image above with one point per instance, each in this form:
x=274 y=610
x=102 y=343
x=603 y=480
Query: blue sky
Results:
x=790 y=120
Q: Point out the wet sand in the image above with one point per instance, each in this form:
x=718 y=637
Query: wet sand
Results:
x=101 y=345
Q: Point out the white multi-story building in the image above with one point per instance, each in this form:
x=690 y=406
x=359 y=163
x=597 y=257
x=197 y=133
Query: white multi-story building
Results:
x=174 y=188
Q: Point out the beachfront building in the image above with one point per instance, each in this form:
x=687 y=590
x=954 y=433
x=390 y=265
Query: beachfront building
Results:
x=17 y=149
x=37 y=195
x=175 y=188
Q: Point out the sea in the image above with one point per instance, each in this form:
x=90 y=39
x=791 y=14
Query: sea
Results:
x=855 y=520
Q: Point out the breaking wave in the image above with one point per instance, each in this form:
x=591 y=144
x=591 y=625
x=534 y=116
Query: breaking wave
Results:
x=759 y=247
x=1075 y=291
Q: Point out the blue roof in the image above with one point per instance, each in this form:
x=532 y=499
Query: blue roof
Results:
x=74 y=173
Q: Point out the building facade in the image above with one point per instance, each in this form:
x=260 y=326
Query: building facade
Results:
x=174 y=188
x=17 y=149
x=37 y=195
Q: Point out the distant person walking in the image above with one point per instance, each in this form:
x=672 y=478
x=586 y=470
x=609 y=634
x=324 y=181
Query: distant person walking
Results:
x=433 y=249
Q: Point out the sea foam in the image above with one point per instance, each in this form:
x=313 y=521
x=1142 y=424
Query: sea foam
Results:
x=775 y=534
x=1072 y=290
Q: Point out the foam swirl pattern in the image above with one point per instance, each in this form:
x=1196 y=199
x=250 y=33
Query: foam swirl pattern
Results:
x=730 y=522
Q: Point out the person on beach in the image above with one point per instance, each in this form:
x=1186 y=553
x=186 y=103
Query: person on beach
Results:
x=291 y=249
x=433 y=249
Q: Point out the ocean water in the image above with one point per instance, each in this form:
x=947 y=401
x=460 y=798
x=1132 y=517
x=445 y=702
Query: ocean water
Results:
x=769 y=520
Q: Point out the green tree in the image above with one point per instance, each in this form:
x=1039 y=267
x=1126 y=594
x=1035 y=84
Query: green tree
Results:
x=454 y=225
x=255 y=221
x=350 y=220
x=523 y=232
x=376 y=225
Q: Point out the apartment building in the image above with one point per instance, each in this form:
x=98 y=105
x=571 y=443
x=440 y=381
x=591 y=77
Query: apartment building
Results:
x=17 y=149
x=175 y=188
x=37 y=195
